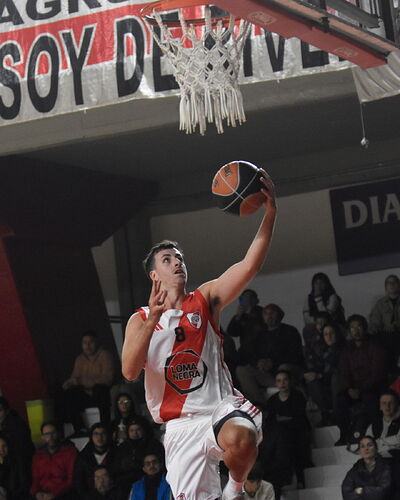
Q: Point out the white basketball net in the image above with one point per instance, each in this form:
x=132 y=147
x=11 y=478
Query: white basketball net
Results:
x=207 y=73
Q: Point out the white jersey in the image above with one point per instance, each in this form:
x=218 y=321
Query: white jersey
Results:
x=185 y=373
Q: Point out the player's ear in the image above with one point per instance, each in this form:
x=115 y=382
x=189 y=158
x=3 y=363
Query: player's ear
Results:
x=153 y=275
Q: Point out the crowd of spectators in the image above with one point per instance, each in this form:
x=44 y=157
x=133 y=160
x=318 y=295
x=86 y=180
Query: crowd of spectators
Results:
x=346 y=370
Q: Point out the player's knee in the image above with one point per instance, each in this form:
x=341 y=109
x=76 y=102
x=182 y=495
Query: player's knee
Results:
x=240 y=439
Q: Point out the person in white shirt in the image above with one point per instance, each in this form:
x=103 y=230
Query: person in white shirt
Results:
x=256 y=487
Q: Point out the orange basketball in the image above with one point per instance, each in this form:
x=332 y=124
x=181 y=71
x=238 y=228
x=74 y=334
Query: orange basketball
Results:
x=236 y=188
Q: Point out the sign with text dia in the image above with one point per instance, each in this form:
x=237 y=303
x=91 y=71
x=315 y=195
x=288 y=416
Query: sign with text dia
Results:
x=366 y=221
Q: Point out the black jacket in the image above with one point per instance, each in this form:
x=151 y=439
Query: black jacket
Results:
x=375 y=484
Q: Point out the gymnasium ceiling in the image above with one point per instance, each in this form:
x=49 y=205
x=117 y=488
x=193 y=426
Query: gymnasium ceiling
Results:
x=305 y=131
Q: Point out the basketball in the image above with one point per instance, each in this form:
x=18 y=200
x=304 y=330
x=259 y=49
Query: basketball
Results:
x=236 y=188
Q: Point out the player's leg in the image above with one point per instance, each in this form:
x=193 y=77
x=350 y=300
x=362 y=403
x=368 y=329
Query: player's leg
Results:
x=238 y=440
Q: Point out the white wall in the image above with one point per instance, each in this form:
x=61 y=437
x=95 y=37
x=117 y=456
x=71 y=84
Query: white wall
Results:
x=303 y=244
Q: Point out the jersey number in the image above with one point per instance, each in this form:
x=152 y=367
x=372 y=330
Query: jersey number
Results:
x=179 y=334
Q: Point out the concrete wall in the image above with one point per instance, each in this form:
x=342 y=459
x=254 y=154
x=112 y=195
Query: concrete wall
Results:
x=303 y=244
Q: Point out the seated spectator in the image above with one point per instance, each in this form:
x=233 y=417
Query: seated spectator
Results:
x=362 y=369
x=52 y=467
x=322 y=297
x=370 y=477
x=98 y=451
x=124 y=412
x=276 y=346
x=384 y=320
x=103 y=487
x=18 y=436
x=274 y=454
x=256 y=487
x=322 y=362
x=153 y=485
x=312 y=332
x=386 y=428
x=288 y=407
x=130 y=454
x=246 y=324
x=89 y=384
x=11 y=482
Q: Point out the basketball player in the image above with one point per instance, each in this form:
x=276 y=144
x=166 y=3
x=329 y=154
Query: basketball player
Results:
x=188 y=386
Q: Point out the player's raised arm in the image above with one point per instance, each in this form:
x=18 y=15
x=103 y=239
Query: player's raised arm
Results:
x=138 y=334
x=230 y=284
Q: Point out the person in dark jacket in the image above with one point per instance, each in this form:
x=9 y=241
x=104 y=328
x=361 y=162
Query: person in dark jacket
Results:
x=103 y=487
x=288 y=408
x=98 y=451
x=153 y=485
x=130 y=454
x=18 y=436
x=124 y=412
x=370 y=477
x=13 y=484
x=363 y=372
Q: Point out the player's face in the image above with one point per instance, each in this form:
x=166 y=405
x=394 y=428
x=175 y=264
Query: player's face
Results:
x=251 y=487
x=169 y=267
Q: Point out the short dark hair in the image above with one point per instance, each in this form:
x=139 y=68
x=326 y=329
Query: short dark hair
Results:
x=277 y=309
x=48 y=422
x=148 y=262
x=358 y=317
x=90 y=333
x=98 y=425
x=256 y=473
x=285 y=372
x=391 y=392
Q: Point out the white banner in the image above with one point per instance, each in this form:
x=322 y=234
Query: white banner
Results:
x=61 y=56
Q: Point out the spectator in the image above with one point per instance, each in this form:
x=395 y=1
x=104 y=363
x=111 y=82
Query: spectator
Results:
x=362 y=368
x=386 y=428
x=89 y=384
x=322 y=361
x=370 y=477
x=18 y=437
x=11 y=482
x=246 y=324
x=98 y=451
x=256 y=487
x=384 y=320
x=153 y=486
x=52 y=467
x=288 y=407
x=312 y=332
x=274 y=454
x=103 y=487
x=124 y=412
x=276 y=346
x=130 y=454
x=322 y=297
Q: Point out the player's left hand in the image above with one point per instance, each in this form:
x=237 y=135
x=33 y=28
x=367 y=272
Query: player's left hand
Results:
x=268 y=190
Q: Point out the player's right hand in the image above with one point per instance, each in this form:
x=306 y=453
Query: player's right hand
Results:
x=157 y=300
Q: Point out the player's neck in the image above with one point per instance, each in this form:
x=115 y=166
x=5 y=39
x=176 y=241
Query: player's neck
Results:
x=175 y=297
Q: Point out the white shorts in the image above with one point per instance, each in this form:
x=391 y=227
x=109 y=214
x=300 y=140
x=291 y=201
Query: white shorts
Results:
x=192 y=452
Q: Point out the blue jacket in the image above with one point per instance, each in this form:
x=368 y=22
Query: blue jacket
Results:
x=138 y=491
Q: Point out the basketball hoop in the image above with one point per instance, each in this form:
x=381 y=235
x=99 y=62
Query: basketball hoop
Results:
x=206 y=61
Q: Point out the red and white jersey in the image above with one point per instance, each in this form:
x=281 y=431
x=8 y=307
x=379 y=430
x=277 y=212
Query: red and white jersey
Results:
x=185 y=373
